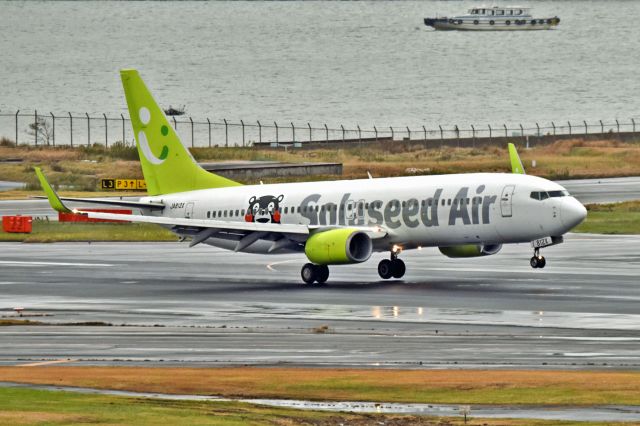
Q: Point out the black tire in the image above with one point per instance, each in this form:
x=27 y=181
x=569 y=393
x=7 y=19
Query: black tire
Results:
x=533 y=22
x=534 y=262
x=308 y=273
x=476 y=22
x=385 y=269
x=542 y=262
x=459 y=21
x=451 y=21
x=398 y=268
x=508 y=22
x=322 y=273
x=549 y=21
x=492 y=22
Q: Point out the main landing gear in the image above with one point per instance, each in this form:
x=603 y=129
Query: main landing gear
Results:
x=393 y=267
x=311 y=273
x=537 y=261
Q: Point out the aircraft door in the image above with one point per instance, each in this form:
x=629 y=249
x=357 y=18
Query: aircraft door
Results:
x=360 y=212
x=506 y=201
x=188 y=211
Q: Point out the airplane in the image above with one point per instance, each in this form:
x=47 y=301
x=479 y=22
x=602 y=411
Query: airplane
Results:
x=334 y=222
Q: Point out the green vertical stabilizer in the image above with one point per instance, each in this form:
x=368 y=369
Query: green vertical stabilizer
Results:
x=167 y=165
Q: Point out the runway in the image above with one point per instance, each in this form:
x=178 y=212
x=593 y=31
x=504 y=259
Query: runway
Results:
x=168 y=304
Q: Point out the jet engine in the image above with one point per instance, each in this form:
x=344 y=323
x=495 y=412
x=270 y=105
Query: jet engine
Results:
x=338 y=246
x=470 y=250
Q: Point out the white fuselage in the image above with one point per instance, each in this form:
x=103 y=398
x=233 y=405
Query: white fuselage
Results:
x=423 y=211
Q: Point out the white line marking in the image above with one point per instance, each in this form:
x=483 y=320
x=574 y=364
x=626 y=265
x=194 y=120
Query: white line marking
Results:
x=18 y=262
x=271 y=268
x=38 y=364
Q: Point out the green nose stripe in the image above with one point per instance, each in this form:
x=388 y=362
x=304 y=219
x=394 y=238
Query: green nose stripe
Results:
x=164 y=130
x=164 y=153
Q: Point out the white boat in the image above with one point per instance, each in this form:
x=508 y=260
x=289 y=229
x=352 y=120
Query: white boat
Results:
x=494 y=18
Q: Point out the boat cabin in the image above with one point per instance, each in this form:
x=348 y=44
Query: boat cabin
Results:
x=500 y=11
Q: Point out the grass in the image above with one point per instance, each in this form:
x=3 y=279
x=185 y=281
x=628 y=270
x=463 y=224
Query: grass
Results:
x=615 y=218
x=48 y=232
x=423 y=386
x=19 y=406
x=82 y=168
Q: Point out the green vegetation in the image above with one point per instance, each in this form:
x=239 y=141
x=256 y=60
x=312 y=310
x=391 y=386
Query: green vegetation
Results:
x=616 y=218
x=48 y=232
x=20 y=406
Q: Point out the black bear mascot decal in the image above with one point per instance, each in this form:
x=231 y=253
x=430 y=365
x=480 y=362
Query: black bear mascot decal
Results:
x=264 y=209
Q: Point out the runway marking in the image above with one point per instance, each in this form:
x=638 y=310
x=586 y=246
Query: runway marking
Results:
x=271 y=268
x=55 y=361
x=19 y=262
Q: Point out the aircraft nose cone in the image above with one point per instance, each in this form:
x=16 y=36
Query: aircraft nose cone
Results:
x=573 y=213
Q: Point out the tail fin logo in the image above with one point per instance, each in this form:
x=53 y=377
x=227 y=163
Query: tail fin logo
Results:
x=145 y=117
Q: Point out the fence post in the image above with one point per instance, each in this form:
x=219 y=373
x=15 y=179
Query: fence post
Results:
x=392 y=134
x=490 y=133
x=359 y=134
x=106 y=134
x=618 y=126
x=457 y=130
x=175 y=123
x=191 y=120
x=53 y=122
x=569 y=123
x=521 y=131
x=226 y=133
x=259 y=132
x=326 y=130
x=242 y=123
x=71 y=128
x=473 y=135
x=123 y=138
x=277 y=136
x=35 y=125
x=538 y=127
x=505 y=131
x=633 y=123
x=586 y=129
x=601 y=127
x=310 y=135
x=424 y=129
x=342 y=127
x=293 y=133
x=209 y=126
x=554 y=128
x=441 y=133
x=88 y=129
x=409 y=133
x=376 y=131
x=17 y=127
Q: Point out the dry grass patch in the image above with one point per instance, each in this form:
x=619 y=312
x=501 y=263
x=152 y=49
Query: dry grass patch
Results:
x=450 y=386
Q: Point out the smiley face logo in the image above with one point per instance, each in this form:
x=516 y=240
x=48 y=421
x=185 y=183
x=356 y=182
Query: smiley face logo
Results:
x=145 y=117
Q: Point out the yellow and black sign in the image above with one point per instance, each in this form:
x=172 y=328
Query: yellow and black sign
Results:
x=123 y=184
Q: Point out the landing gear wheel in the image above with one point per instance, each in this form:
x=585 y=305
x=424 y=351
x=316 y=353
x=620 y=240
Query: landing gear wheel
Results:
x=322 y=273
x=385 y=269
x=538 y=262
x=398 y=268
x=533 y=262
x=542 y=262
x=309 y=273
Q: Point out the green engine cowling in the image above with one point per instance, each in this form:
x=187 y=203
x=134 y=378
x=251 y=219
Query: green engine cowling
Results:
x=470 y=250
x=338 y=246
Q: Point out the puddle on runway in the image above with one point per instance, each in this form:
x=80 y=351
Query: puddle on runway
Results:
x=617 y=413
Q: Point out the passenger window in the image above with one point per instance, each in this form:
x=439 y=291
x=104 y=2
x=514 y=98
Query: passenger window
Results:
x=449 y=201
x=237 y=213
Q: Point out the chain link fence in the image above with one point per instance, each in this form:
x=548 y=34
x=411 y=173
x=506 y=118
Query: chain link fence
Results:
x=73 y=129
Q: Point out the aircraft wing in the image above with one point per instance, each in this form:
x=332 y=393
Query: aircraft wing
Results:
x=112 y=202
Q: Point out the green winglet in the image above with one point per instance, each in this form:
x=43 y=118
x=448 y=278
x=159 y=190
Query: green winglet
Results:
x=54 y=200
x=516 y=164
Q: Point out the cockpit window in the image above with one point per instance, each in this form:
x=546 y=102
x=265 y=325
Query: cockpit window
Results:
x=543 y=195
x=554 y=194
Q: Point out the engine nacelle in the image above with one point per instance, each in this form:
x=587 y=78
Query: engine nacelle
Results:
x=470 y=250
x=338 y=246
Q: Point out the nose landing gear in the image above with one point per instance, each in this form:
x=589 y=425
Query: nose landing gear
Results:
x=392 y=267
x=311 y=273
x=537 y=261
